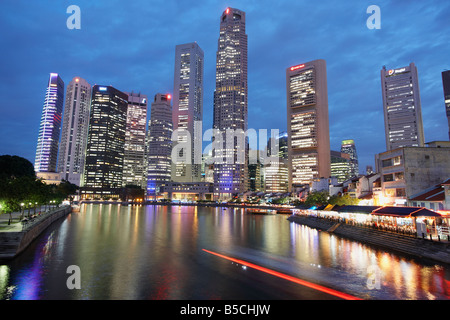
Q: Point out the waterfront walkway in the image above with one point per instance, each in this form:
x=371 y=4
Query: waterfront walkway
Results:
x=407 y=245
x=16 y=225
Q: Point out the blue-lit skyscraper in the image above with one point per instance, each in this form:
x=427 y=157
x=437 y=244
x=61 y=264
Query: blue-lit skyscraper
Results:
x=50 y=127
x=159 y=144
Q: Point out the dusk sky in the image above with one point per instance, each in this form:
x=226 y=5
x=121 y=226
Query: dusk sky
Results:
x=131 y=46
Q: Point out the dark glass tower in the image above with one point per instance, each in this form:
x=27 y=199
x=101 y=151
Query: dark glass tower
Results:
x=50 y=127
x=348 y=147
x=106 y=140
x=159 y=146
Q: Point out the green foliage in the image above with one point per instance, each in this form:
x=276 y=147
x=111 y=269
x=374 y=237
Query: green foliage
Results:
x=344 y=200
x=322 y=198
x=18 y=185
x=317 y=198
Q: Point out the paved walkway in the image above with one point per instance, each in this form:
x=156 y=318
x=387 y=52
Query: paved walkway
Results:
x=15 y=225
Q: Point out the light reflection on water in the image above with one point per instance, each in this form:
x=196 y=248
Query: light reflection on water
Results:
x=155 y=252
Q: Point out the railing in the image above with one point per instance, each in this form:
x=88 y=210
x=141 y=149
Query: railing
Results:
x=28 y=223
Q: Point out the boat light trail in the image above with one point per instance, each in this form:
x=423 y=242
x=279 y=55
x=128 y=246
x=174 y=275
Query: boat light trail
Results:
x=333 y=292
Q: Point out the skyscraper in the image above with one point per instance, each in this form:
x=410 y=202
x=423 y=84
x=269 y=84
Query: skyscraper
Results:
x=340 y=165
x=230 y=107
x=134 y=161
x=106 y=141
x=74 y=131
x=187 y=112
x=348 y=147
x=307 y=122
x=50 y=127
x=402 y=107
x=446 y=85
x=159 y=144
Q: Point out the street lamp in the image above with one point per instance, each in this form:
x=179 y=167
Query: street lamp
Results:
x=21 y=209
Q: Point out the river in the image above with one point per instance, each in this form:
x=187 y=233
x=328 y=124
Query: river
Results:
x=203 y=253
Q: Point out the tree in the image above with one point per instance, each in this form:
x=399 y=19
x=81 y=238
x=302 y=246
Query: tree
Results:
x=344 y=200
x=14 y=167
x=317 y=198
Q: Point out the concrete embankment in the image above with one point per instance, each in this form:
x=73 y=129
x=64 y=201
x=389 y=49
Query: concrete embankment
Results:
x=406 y=245
x=13 y=243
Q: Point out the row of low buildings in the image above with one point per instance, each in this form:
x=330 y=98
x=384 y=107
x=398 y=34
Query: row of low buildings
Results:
x=406 y=176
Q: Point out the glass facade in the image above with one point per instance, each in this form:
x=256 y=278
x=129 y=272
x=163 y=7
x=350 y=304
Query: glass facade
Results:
x=106 y=139
x=308 y=129
x=402 y=107
x=134 y=162
x=188 y=112
x=50 y=126
x=159 y=145
x=230 y=106
x=74 y=131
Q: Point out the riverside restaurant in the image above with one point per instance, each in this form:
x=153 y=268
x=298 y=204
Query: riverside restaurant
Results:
x=413 y=221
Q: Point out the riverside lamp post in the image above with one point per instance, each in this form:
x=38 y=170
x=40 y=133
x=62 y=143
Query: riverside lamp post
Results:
x=22 y=210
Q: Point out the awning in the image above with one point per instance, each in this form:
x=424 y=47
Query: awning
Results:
x=405 y=212
x=358 y=209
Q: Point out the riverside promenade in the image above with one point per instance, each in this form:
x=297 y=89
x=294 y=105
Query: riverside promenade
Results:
x=16 y=236
x=406 y=245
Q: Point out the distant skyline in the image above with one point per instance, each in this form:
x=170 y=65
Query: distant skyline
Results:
x=131 y=45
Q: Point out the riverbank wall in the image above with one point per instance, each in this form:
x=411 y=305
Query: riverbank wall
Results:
x=413 y=247
x=12 y=243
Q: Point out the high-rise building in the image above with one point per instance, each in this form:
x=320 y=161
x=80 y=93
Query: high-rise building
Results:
x=74 y=130
x=446 y=85
x=349 y=147
x=159 y=144
x=188 y=112
x=103 y=170
x=230 y=107
x=276 y=171
x=50 y=127
x=307 y=122
x=402 y=107
x=340 y=166
x=134 y=162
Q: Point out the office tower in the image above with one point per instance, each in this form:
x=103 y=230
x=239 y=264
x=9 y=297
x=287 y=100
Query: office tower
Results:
x=307 y=121
x=188 y=112
x=50 y=127
x=348 y=147
x=255 y=170
x=402 y=108
x=74 y=130
x=134 y=161
x=281 y=144
x=106 y=141
x=230 y=107
x=446 y=85
x=159 y=144
x=340 y=166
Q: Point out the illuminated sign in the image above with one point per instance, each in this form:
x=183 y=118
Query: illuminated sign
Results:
x=169 y=97
x=345 y=142
x=227 y=11
x=102 y=88
x=297 y=67
x=392 y=71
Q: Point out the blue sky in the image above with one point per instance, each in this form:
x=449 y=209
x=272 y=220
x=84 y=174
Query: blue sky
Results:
x=131 y=45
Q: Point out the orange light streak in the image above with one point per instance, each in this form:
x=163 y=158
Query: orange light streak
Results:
x=333 y=292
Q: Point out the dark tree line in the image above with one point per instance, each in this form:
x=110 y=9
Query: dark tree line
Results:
x=20 y=189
